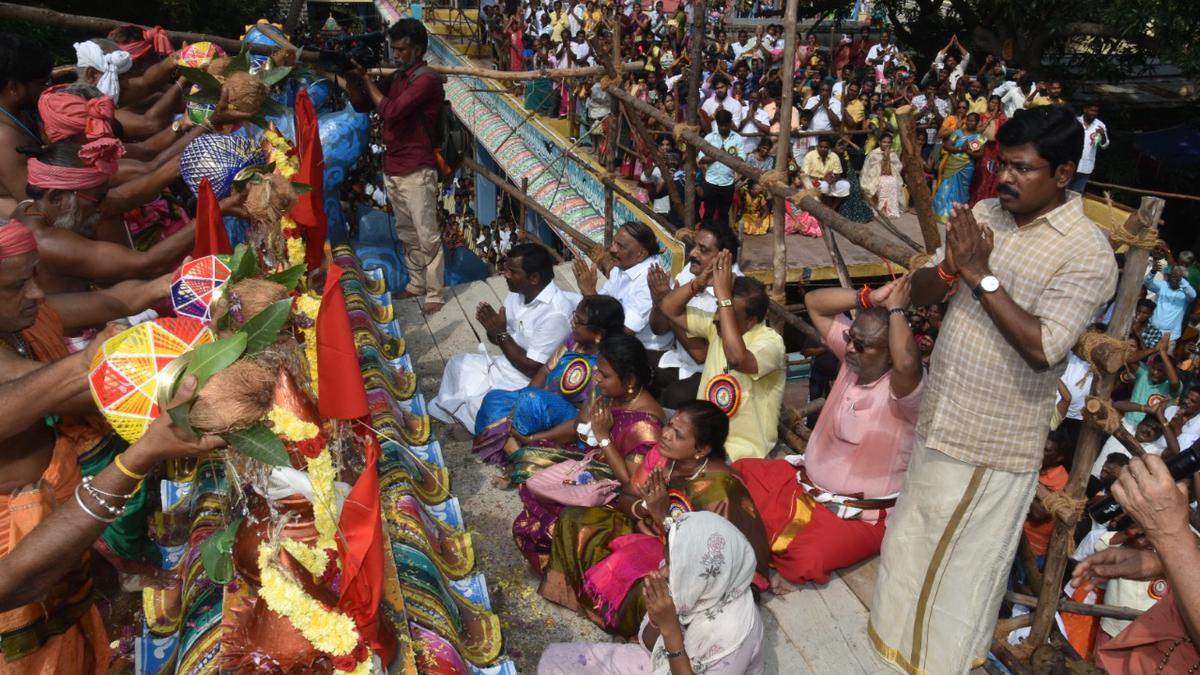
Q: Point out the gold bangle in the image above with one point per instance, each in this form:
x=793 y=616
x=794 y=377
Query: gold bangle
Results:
x=123 y=469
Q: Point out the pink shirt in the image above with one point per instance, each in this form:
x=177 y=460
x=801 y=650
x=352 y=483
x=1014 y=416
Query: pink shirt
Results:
x=864 y=435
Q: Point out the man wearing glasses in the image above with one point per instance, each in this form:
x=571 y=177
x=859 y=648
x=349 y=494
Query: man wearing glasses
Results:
x=826 y=509
x=1025 y=274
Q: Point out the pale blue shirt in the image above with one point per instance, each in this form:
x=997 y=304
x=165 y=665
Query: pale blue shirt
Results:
x=1172 y=303
x=717 y=173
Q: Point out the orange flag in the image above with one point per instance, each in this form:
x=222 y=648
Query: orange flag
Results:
x=339 y=377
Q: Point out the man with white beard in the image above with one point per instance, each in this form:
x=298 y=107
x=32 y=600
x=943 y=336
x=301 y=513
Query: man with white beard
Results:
x=67 y=184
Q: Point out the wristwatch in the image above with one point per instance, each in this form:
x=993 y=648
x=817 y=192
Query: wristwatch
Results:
x=727 y=302
x=605 y=442
x=988 y=284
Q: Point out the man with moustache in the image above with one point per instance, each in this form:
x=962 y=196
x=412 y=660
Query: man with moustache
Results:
x=826 y=509
x=677 y=370
x=67 y=185
x=1028 y=272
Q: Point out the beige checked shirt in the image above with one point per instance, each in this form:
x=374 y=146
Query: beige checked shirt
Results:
x=984 y=404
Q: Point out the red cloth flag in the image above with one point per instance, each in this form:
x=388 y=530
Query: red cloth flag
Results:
x=211 y=238
x=362 y=551
x=339 y=377
x=309 y=210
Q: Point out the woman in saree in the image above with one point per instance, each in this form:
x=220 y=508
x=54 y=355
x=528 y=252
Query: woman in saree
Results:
x=600 y=556
x=881 y=180
x=700 y=611
x=622 y=420
x=962 y=148
x=557 y=390
x=984 y=184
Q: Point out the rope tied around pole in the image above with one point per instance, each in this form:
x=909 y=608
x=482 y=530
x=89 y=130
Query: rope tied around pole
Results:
x=680 y=129
x=1100 y=413
x=799 y=196
x=606 y=82
x=773 y=178
x=1146 y=238
x=600 y=257
x=918 y=261
x=1105 y=354
x=1064 y=507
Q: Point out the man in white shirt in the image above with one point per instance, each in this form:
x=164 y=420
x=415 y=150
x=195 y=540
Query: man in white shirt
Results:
x=826 y=112
x=634 y=250
x=1012 y=96
x=534 y=321
x=743 y=44
x=1095 y=136
x=652 y=180
x=1183 y=418
x=957 y=67
x=721 y=100
x=677 y=372
x=581 y=51
x=883 y=52
x=929 y=110
x=718 y=178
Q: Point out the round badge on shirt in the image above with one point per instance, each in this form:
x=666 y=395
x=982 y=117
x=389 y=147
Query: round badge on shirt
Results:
x=725 y=392
x=576 y=375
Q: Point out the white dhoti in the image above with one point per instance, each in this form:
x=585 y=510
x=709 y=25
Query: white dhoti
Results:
x=945 y=561
x=467 y=378
x=840 y=188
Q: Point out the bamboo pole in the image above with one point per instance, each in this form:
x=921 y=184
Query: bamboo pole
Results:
x=558 y=223
x=785 y=315
x=862 y=234
x=695 y=53
x=524 y=205
x=913 y=174
x=639 y=127
x=783 y=148
x=637 y=203
x=1090 y=439
x=835 y=255
x=613 y=69
x=1086 y=609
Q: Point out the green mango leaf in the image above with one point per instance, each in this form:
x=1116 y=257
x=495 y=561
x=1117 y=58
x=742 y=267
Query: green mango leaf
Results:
x=301 y=188
x=262 y=329
x=239 y=63
x=181 y=417
x=213 y=357
x=216 y=553
x=260 y=443
x=289 y=278
x=201 y=78
x=244 y=265
x=273 y=108
x=275 y=75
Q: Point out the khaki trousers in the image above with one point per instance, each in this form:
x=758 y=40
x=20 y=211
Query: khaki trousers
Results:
x=945 y=559
x=414 y=204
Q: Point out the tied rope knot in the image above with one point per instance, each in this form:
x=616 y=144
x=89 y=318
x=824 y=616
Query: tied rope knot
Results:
x=799 y=196
x=1146 y=238
x=1065 y=508
x=680 y=129
x=918 y=261
x=773 y=178
x=1100 y=413
x=1104 y=353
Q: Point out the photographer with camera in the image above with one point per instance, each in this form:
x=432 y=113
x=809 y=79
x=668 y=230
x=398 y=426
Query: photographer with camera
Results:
x=410 y=102
x=1163 y=640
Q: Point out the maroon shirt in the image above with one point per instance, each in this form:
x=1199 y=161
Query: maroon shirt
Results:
x=410 y=109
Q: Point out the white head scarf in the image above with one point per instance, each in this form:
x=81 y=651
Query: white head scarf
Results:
x=712 y=565
x=111 y=66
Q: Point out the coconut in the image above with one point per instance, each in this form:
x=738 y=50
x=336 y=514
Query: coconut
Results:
x=284 y=57
x=270 y=198
x=217 y=67
x=246 y=92
x=251 y=297
x=234 y=399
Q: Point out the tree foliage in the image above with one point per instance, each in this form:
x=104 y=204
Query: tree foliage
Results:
x=1085 y=37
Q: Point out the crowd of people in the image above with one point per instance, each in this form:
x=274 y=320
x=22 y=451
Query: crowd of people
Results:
x=845 y=141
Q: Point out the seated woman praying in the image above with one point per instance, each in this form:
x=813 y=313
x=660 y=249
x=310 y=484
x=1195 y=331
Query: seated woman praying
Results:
x=621 y=419
x=557 y=390
x=600 y=557
x=700 y=613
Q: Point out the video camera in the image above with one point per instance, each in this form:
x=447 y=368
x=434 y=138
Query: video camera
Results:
x=366 y=49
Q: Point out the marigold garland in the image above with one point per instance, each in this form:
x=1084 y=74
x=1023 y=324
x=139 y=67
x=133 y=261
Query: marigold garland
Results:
x=309 y=306
x=279 y=152
x=289 y=427
x=294 y=241
x=322 y=474
x=311 y=558
x=328 y=630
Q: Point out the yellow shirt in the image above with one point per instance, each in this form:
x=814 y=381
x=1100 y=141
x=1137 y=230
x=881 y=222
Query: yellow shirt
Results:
x=856 y=110
x=977 y=105
x=753 y=400
x=815 y=167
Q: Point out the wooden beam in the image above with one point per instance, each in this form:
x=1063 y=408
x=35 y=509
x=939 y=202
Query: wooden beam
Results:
x=1086 y=609
x=695 y=53
x=1129 y=290
x=865 y=235
x=913 y=174
x=783 y=148
x=637 y=203
x=783 y=314
x=525 y=200
x=830 y=239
